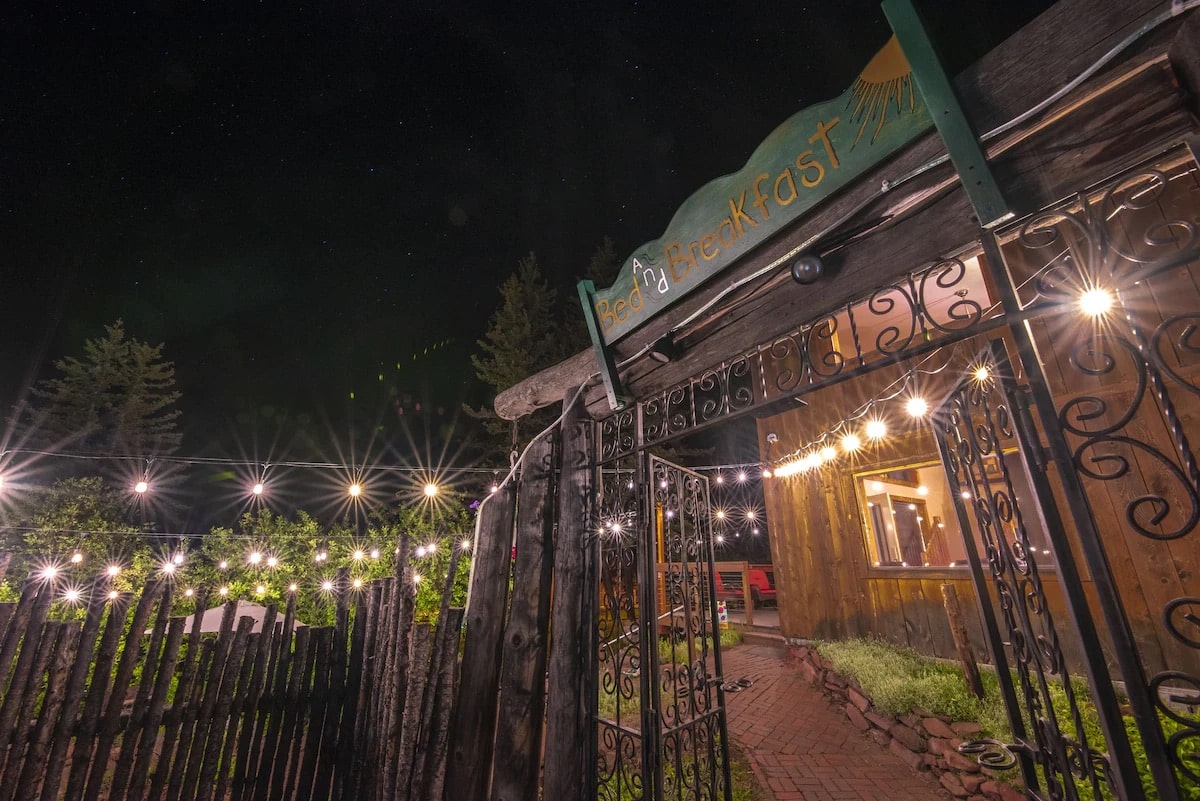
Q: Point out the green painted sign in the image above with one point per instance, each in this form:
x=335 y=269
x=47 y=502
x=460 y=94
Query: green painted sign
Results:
x=816 y=152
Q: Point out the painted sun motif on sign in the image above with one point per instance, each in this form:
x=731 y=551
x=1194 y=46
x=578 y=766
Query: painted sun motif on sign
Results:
x=885 y=82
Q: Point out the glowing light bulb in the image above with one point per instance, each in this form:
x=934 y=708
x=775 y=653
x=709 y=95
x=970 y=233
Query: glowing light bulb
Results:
x=876 y=429
x=981 y=373
x=71 y=596
x=750 y=514
x=258 y=488
x=720 y=480
x=357 y=584
x=720 y=514
x=464 y=544
x=358 y=555
x=828 y=453
x=494 y=488
x=113 y=595
x=113 y=570
x=811 y=461
x=720 y=538
x=420 y=551
x=355 y=490
x=254 y=558
x=922 y=490
x=851 y=443
x=223 y=565
x=189 y=592
x=1096 y=302
x=876 y=487
x=141 y=487
x=223 y=591
x=167 y=567
x=741 y=476
x=431 y=490
x=916 y=406
x=416 y=579
x=327 y=586
x=272 y=561
x=431 y=547
x=292 y=588
x=374 y=553
x=766 y=472
x=966 y=495
x=177 y=558
x=260 y=589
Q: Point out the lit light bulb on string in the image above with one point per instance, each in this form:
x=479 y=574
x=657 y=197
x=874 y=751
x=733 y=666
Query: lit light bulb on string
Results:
x=1096 y=302
x=177 y=558
x=189 y=592
x=828 y=453
x=358 y=555
x=431 y=548
x=811 y=461
x=741 y=476
x=766 y=472
x=374 y=553
x=112 y=571
x=355 y=490
x=293 y=587
x=981 y=374
x=272 y=562
x=141 y=487
x=464 y=544
x=76 y=558
x=357 y=584
x=876 y=429
x=223 y=565
x=431 y=490
x=71 y=596
x=113 y=595
x=420 y=551
x=167 y=568
x=327 y=586
x=416 y=578
x=261 y=589
x=254 y=558
x=916 y=406
x=224 y=592
x=258 y=488
x=851 y=443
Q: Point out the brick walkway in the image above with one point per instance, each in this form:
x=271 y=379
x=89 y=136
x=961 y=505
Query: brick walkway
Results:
x=803 y=749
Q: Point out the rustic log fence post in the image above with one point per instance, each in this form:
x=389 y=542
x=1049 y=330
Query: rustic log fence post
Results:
x=252 y=705
x=158 y=703
x=57 y=690
x=518 y=746
x=177 y=717
x=474 y=717
x=569 y=770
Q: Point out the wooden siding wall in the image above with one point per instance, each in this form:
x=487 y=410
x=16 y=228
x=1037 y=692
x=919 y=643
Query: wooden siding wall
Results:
x=828 y=587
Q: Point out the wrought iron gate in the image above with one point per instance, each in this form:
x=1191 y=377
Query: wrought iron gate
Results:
x=661 y=711
x=980 y=428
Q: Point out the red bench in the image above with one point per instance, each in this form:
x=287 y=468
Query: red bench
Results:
x=761 y=589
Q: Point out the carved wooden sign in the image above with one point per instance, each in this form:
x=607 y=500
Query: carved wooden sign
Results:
x=814 y=153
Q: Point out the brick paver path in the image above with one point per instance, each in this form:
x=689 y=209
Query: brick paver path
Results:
x=800 y=746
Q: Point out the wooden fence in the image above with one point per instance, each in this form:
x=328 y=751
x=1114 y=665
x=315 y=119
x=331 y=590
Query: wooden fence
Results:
x=125 y=704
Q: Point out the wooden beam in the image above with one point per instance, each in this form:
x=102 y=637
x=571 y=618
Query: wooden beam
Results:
x=1046 y=54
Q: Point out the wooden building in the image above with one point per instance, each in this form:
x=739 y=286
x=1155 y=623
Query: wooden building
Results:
x=975 y=371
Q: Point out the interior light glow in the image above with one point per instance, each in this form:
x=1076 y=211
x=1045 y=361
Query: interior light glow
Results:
x=1096 y=302
x=876 y=487
x=876 y=429
x=922 y=490
x=916 y=406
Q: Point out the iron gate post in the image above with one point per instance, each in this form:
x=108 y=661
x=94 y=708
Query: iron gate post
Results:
x=1127 y=781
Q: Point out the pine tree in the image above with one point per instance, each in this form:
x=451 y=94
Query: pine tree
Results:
x=118 y=399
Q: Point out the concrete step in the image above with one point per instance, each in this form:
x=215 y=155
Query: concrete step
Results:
x=753 y=636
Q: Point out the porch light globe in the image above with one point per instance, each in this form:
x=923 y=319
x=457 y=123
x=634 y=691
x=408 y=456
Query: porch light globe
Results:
x=1096 y=302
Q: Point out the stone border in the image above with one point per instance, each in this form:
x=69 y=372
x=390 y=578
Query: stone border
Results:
x=922 y=741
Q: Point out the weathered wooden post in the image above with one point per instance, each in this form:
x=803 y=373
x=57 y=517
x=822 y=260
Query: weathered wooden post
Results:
x=568 y=764
x=523 y=670
x=474 y=718
x=962 y=642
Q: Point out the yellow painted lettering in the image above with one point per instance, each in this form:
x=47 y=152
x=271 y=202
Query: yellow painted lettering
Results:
x=785 y=179
x=823 y=134
x=805 y=163
x=677 y=255
x=620 y=310
x=708 y=241
x=726 y=226
x=607 y=318
x=737 y=213
x=760 y=200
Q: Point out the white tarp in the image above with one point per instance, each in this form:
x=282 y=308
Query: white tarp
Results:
x=210 y=621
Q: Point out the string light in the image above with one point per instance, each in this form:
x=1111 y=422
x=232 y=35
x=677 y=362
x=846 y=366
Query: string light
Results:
x=981 y=373
x=431 y=490
x=189 y=592
x=916 y=406
x=357 y=584
x=258 y=488
x=113 y=570
x=272 y=561
x=293 y=587
x=141 y=487
x=851 y=442
x=76 y=557
x=876 y=429
x=828 y=453
x=374 y=553
x=1096 y=302
x=358 y=555
x=355 y=490
x=254 y=558
x=224 y=591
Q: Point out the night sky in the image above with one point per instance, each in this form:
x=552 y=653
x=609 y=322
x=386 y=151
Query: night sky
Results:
x=297 y=197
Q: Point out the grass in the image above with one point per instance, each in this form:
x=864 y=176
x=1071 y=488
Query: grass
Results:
x=899 y=681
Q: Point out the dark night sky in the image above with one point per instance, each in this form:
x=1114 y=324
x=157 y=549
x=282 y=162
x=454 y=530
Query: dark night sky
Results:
x=296 y=196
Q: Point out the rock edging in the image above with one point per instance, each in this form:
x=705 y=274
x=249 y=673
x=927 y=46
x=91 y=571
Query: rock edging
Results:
x=922 y=741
